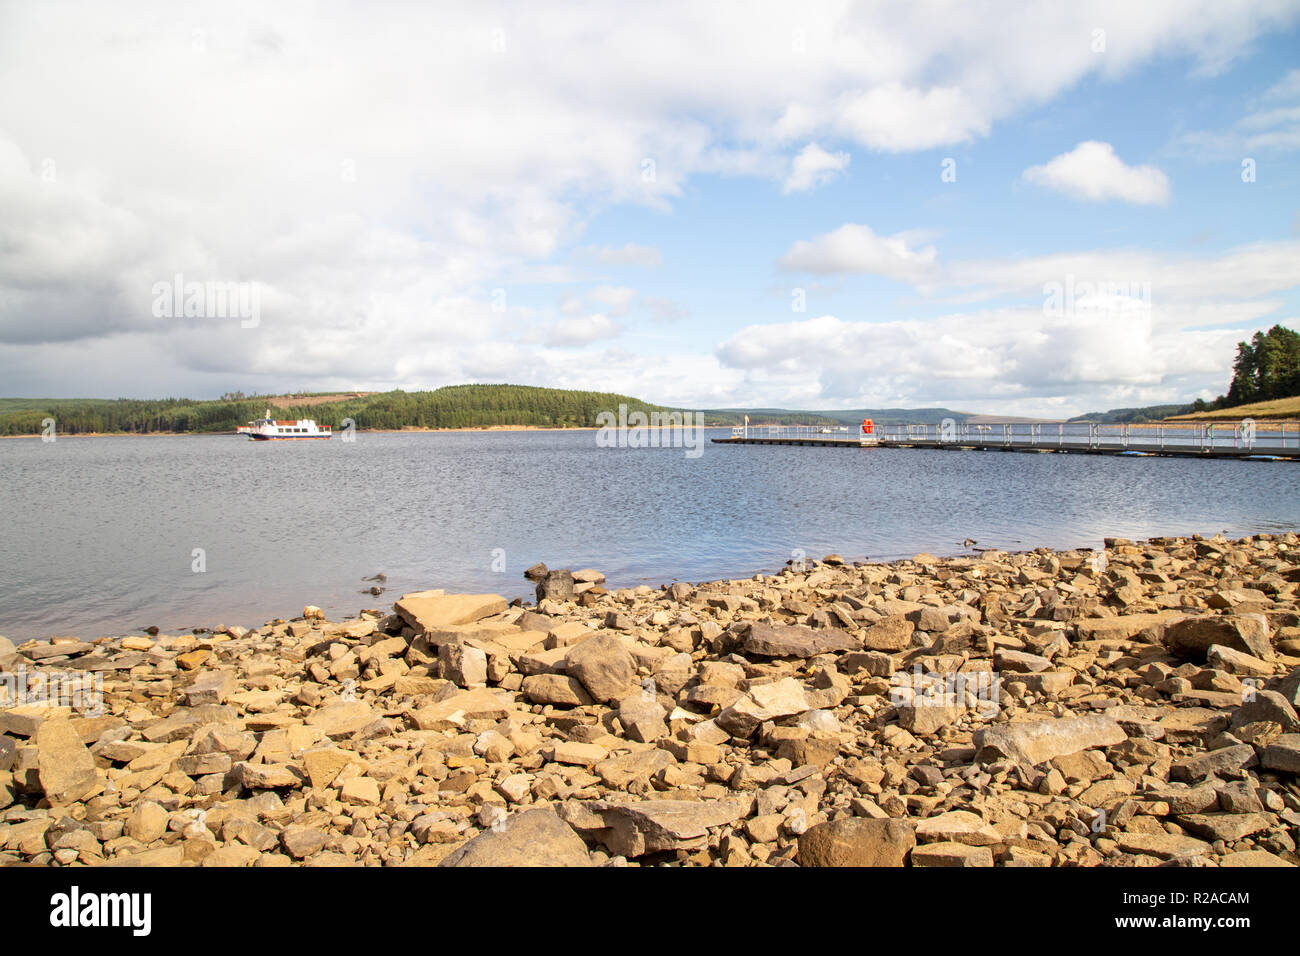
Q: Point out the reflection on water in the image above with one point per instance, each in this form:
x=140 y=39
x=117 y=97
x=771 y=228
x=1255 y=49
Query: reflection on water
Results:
x=99 y=535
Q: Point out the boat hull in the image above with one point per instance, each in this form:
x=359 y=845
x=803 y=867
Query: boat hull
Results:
x=289 y=437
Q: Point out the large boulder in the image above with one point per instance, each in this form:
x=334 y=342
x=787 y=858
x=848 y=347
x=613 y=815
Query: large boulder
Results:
x=556 y=586
x=533 y=838
x=893 y=633
x=857 y=841
x=782 y=698
x=1282 y=754
x=1193 y=637
x=66 y=769
x=1034 y=742
x=794 y=640
x=603 y=666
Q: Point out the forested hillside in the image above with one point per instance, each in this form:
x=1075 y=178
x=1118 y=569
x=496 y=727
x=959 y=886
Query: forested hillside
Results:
x=457 y=406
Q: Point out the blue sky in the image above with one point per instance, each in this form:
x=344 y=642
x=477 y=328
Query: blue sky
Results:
x=423 y=198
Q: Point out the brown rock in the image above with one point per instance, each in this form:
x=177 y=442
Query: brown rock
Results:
x=856 y=841
x=1194 y=636
x=1034 y=742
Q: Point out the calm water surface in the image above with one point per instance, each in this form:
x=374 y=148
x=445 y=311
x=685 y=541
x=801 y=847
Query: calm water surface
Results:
x=98 y=535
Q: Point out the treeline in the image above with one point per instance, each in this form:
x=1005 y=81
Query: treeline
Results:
x=457 y=406
x=481 y=406
x=1267 y=367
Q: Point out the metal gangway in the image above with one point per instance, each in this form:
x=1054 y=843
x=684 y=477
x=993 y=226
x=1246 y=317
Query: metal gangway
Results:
x=1244 y=438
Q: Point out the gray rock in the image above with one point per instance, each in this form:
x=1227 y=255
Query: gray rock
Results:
x=556 y=586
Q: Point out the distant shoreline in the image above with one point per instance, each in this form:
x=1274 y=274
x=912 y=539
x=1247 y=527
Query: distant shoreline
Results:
x=368 y=431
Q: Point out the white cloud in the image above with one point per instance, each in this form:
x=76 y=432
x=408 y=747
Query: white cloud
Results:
x=1268 y=127
x=854 y=248
x=814 y=167
x=1083 y=331
x=381 y=172
x=1287 y=88
x=1093 y=172
x=617 y=299
x=582 y=331
x=665 y=310
x=629 y=254
x=896 y=118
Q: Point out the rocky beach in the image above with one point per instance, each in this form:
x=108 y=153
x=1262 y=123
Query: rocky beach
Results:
x=1132 y=707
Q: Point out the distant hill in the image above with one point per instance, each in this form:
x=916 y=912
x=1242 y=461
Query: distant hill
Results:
x=881 y=416
x=455 y=406
x=1134 y=416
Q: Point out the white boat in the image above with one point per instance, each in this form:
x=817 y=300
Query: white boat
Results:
x=272 y=429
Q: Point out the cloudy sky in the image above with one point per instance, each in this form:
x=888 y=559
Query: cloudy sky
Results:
x=1015 y=208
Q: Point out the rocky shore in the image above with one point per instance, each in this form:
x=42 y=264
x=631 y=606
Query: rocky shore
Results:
x=1132 y=707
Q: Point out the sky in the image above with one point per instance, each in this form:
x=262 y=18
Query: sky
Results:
x=1010 y=208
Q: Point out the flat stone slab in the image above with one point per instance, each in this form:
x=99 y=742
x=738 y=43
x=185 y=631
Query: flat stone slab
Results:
x=342 y=719
x=40 y=652
x=1166 y=846
x=1034 y=742
x=952 y=855
x=795 y=640
x=452 y=712
x=1283 y=754
x=782 y=698
x=1229 y=827
x=650 y=826
x=1252 y=858
x=1125 y=626
x=429 y=610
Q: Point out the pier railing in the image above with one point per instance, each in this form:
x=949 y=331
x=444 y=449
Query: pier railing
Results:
x=1240 y=437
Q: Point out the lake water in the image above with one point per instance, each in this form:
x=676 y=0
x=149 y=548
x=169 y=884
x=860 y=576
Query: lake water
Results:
x=98 y=535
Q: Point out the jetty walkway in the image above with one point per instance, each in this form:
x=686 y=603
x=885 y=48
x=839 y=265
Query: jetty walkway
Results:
x=1263 y=441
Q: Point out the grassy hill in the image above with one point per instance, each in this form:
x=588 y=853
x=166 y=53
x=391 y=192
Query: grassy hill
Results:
x=1147 y=413
x=1276 y=408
